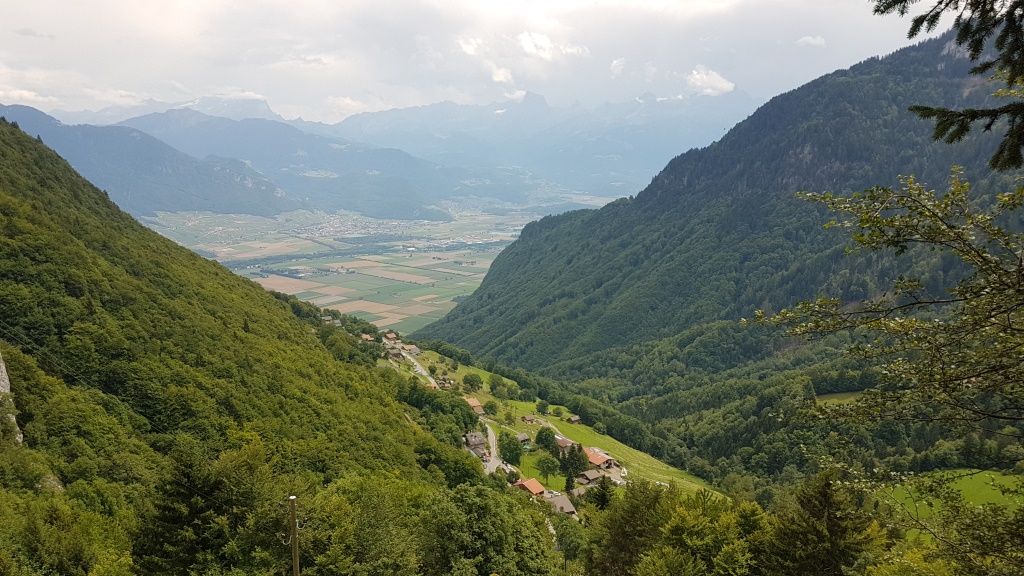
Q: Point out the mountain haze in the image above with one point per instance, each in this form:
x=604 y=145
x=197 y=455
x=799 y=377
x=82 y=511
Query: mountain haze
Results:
x=144 y=175
x=331 y=173
x=718 y=232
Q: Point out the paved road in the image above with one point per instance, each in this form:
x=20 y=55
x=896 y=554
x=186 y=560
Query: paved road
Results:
x=494 y=462
x=418 y=369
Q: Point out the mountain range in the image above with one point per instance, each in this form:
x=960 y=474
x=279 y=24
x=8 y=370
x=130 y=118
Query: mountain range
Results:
x=718 y=233
x=144 y=175
x=403 y=163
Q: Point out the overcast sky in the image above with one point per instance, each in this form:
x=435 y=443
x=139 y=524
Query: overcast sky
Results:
x=326 y=59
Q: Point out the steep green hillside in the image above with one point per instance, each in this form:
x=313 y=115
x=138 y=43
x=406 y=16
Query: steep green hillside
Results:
x=718 y=233
x=169 y=407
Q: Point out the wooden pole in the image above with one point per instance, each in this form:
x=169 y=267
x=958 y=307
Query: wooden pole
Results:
x=295 y=537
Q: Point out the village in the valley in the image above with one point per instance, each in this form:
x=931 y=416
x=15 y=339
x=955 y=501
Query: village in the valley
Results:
x=484 y=445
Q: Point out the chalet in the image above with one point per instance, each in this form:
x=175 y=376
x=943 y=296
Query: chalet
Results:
x=564 y=444
x=579 y=492
x=588 y=477
x=561 y=503
x=529 y=418
x=573 y=420
x=391 y=336
x=475 y=405
x=530 y=485
x=367 y=337
x=599 y=459
x=411 y=349
x=475 y=440
x=523 y=438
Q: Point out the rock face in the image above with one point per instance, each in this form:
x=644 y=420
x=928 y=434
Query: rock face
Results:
x=7 y=404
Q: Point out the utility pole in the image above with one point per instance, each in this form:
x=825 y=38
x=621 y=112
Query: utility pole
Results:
x=295 y=537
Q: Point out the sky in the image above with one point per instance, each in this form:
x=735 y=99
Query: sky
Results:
x=324 y=60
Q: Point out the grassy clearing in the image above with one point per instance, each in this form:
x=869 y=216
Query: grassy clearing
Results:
x=977 y=487
x=838 y=398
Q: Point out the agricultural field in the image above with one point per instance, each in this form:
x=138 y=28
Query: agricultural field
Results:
x=400 y=275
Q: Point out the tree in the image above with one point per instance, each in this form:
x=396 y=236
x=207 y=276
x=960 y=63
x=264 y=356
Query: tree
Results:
x=570 y=537
x=602 y=494
x=546 y=440
x=557 y=411
x=952 y=358
x=490 y=407
x=547 y=465
x=976 y=22
x=574 y=462
x=510 y=419
x=965 y=369
x=432 y=369
x=495 y=381
x=473 y=381
x=510 y=448
x=831 y=530
x=542 y=407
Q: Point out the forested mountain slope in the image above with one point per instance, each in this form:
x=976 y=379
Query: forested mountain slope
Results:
x=718 y=233
x=143 y=175
x=169 y=406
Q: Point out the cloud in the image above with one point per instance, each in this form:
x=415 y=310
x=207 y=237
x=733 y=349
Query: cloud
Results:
x=30 y=33
x=236 y=93
x=114 y=96
x=811 y=41
x=617 y=66
x=470 y=45
x=18 y=95
x=535 y=44
x=708 y=82
x=502 y=75
x=541 y=46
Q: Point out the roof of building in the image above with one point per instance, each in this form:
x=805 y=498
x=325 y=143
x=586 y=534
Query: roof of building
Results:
x=596 y=458
x=523 y=437
x=561 y=503
x=573 y=419
x=531 y=485
x=562 y=442
x=475 y=438
x=590 y=475
x=472 y=402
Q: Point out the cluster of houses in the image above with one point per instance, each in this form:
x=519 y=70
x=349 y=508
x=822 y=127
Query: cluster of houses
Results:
x=394 y=347
x=602 y=465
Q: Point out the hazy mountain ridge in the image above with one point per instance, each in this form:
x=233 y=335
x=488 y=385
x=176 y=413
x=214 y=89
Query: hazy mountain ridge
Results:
x=611 y=150
x=144 y=175
x=718 y=233
x=332 y=173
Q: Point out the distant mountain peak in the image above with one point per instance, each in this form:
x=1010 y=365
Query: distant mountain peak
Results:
x=233 y=108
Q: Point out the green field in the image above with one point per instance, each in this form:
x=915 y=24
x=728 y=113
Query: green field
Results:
x=975 y=486
x=401 y=275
